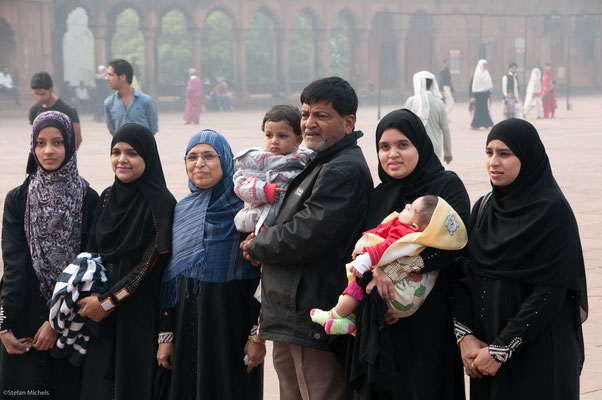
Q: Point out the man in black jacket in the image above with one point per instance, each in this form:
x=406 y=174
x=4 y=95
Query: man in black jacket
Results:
x=303 y=255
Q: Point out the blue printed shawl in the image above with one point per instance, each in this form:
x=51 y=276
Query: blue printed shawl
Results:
x=205 y=240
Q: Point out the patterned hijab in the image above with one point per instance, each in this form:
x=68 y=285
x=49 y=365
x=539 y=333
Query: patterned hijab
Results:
x=53 y=214
x=205 y=240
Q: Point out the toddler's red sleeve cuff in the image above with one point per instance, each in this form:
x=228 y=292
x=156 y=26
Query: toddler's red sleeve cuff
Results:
x=269 y=189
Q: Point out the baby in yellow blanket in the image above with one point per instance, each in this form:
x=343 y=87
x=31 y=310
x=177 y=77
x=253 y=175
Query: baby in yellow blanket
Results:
x=428 y=221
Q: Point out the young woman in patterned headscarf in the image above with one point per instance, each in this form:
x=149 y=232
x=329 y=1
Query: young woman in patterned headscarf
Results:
x=44 y=226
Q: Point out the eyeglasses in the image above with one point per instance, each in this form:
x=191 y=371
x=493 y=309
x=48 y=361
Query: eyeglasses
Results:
x=206 y=157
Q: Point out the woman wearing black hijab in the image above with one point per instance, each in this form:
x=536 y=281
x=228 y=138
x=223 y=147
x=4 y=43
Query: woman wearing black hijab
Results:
x=520 y=329
x=414 y=357
x=133 y=237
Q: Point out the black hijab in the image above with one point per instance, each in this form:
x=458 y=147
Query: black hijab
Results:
x=428 y=177
x=527 y=231
x=124 y=217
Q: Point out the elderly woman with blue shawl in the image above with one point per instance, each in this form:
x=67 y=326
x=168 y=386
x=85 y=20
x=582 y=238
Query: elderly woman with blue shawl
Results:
x=208 y=308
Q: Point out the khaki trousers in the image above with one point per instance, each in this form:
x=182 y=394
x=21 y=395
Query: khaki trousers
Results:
x=307 y=373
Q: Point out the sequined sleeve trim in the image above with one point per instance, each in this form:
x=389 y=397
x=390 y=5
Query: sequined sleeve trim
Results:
x=461 y=330
x=2 y=318
x=166 y=337
x=501 y=354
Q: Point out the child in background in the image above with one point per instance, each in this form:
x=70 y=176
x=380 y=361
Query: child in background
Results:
x=509 y=105
x=262 y=175
x=428 y=221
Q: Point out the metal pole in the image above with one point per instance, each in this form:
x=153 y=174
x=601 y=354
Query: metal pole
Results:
x=525 y=55
x=481 y=55
x=380 y=68
x=568 y=64
x=431 y=46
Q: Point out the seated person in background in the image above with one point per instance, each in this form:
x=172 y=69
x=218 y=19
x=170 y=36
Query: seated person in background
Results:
x=221 y=96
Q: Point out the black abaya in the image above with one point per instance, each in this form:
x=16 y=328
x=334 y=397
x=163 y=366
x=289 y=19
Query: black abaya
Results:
x=210 y=335
x=482 y=115
x=527 y=279
x=133 y=237
x=417 y=357
x=35 y=370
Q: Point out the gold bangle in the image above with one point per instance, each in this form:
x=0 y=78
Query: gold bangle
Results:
x=458 y=341
x=255 y=339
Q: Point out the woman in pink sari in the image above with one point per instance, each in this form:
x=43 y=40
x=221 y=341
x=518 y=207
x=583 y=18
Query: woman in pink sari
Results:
x=195 y=97
x=548 y=96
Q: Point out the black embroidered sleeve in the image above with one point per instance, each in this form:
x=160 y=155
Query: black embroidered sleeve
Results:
x=501 y=354
x=533 y=316
x=152 y=262
x=16 y=258
x=461 y=330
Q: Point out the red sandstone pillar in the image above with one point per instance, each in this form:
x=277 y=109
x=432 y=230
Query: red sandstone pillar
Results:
x=325 y=50
x=197 y=42
x=99 y=32
x=240 y=61
x=362 y=58
x=315 y=55
x=282 y=54
x=598 y=55
x=150 y=58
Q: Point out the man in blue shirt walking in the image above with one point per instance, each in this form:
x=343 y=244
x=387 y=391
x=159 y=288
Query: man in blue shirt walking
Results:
x=127 y=104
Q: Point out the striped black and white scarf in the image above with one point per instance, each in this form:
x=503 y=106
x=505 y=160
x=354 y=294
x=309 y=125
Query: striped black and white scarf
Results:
x=83 y=276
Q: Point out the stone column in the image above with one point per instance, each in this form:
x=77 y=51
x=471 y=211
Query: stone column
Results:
x=362 y=60
x=598 y=54
x=58 y=33
x=315 y=54
x=402 y=35
x=151 y=34
x=196 y=32
x=240 y=61
x=282 y=37
x=99 y=32
x=325 y=51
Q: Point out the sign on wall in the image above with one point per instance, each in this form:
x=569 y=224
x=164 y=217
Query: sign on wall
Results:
x=454 y=61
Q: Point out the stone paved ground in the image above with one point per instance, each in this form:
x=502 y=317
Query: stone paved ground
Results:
x=573 y=141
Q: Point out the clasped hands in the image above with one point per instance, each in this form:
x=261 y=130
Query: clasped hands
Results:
x=476 y=358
